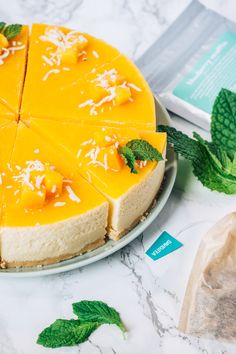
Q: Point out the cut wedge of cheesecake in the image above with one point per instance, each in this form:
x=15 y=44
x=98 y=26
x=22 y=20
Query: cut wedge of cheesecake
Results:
x=72 y=76
x=58 y=59
x=12 y=72
x=50 y=213
x=95 y=152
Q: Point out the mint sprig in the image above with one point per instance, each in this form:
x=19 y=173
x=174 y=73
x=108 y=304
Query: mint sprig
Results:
x=10 y=31
x=214 y=162
x=208 y=169
x=138 y=149
x=91 y=315
x=97 y=312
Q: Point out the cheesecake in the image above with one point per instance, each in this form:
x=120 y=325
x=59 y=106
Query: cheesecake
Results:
x=49 y=211
x=80 y=160
x=66 y=80
x=13 y=55
x=95 y=152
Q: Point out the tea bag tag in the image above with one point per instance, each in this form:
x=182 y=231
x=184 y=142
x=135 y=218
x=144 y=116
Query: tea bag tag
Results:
x=164 y=245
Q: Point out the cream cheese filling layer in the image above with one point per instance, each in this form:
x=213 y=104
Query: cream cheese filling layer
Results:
x=54 y=241
x=131 y=206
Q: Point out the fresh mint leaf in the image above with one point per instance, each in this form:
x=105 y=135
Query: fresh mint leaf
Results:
x=193 y=149
x=223 y=122
x=219 y=156
x=212 y=176
x=2 y=25
x=211 y=150
x=128 y=157
x=206 y=165
x=11 y=31
x=183 y=145
x=138 y=149
x=97 y=312
x=64 y=333
x=144 y=151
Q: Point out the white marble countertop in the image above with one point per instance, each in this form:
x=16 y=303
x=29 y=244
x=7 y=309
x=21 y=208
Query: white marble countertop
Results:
x=147 y=294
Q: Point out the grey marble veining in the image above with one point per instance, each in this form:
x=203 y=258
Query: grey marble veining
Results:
x=148 y=294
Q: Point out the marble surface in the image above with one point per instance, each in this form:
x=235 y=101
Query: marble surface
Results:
x=147 y=294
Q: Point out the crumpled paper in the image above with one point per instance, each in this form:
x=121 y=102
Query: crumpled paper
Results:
x=209 y=307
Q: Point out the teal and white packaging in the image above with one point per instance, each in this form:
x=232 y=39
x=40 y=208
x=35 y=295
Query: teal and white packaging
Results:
x=191 y=62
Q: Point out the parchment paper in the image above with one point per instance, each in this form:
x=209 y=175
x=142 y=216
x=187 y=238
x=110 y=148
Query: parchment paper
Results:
x=209 y=307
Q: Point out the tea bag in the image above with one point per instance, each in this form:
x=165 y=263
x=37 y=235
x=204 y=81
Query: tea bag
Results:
x=209 y=307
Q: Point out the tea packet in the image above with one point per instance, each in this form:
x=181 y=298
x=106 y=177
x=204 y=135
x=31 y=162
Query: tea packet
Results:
x=209 y=307
x=189 y=64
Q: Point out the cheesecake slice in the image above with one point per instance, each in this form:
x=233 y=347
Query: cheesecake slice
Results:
x=57 y=61
x=12 y=72
x=50 y=213
x=95 y=152
x=72 y=76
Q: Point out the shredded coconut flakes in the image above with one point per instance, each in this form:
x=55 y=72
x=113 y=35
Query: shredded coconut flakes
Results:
x=72 y=195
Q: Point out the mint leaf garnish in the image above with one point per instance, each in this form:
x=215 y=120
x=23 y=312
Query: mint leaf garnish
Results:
x=66 y=333
x=144 y=151
x=128 y=157
x=97 y=312
x=2 y=25
x=207 y=166
x=138 y=149
x=11 y=31
x=223 y=122
x=91 y=315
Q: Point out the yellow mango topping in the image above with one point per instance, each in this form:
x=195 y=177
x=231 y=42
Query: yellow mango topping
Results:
x=108 y=87
x=81 y=42
x=70 y=50
x=111 y=159
x=103 y=139
x=3 y=42
x=69 y=55
x=35 y=175
x=32 y=198
x=38 y=183
x=125 y=138
x=53 y=181
x=122 y=95
x=115 y=79
x=97 y=93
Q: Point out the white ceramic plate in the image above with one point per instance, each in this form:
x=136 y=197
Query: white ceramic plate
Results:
x=111 y=246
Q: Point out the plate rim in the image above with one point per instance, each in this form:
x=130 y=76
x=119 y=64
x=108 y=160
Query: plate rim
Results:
x=60 y=267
